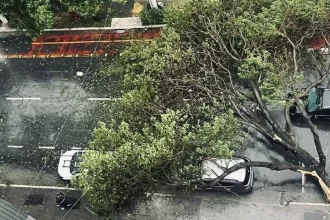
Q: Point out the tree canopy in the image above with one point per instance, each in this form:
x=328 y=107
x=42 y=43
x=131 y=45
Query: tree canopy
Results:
x=186 y=96
x=37 y=15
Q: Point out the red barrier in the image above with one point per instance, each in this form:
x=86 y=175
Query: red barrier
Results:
x=85 y=43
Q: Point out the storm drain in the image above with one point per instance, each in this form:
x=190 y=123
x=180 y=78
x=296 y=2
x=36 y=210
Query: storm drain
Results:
x=316 y=216
x=34 y=199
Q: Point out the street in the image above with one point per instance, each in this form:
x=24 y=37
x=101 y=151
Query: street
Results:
x=44 y=109
x=265 y=202
x=49 y=100
x=47 y=108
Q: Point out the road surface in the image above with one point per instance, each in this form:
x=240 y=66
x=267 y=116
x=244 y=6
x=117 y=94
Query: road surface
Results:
x=45 y=106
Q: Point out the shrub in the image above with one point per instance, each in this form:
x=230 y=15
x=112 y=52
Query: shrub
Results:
x=152 y=16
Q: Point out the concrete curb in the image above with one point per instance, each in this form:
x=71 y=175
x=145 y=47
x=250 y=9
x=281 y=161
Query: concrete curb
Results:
x=37 y=187
x=12 y=30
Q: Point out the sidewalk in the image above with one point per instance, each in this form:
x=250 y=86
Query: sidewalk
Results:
x=265 y=203
x=41 y=203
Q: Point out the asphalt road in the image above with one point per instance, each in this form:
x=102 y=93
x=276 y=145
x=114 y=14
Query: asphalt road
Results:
x=45 y=105
x=266 y=203
x=261 y=150
x=45 y=108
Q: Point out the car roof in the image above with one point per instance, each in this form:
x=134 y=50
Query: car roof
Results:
x=211 y=170
x=326 y=99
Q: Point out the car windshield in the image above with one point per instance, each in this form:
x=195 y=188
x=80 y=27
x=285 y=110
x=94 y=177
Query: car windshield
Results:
x=75 y=162
x=313 y=99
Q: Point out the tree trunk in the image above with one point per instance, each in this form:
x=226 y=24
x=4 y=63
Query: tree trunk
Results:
x=319 y=173
x=323 y=178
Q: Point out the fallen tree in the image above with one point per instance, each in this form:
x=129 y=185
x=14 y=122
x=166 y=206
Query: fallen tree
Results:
x=187 y=96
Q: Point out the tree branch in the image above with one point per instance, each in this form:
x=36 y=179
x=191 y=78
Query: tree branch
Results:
x=294 y=52
x=269 y=165
x=316 y=136
x=267 y=114
x=313 y=84
x=289 y=125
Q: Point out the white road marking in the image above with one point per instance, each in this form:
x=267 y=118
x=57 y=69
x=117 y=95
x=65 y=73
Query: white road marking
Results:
x=161 y=194
x=310 y=204
x=291 y=203
x=22 y=99
x=227 y=199
x=38 y=187
x=46 y=147
x=76 y=148
x=99 y=99
x=14 y=146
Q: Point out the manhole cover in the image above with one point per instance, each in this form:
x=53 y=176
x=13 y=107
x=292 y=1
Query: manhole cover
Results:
x=34 y=199
x=315 y=216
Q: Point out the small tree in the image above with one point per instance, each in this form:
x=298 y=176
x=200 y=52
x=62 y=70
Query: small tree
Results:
x=152 y=16
x=37 y=15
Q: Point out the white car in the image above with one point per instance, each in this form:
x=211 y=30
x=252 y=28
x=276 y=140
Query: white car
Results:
x=69 y=163
x=239 y=181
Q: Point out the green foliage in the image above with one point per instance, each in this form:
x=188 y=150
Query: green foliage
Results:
x=169 y=148
x=84 y=8
x=152 y=16
x=181 y=95
x=258 y=34
x=37 y=15
x=137 y=68
x=120 y=1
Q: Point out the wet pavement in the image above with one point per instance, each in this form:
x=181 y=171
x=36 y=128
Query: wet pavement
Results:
x=57 y=111
x=40 y=203
x=54 y=109
x=260 y=149
x=265 y=202
x=44 y=105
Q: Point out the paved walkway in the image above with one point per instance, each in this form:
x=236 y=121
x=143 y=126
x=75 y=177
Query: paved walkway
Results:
x=264 y=203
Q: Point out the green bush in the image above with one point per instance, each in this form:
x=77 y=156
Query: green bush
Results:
x=152 y=16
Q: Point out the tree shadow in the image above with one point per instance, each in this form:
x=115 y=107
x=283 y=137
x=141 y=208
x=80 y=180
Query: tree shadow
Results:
x=278 y=150
x=323 y=125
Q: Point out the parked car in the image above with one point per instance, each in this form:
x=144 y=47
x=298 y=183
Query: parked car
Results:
x=239 y=181
x=69 y=164
x=317 y=104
